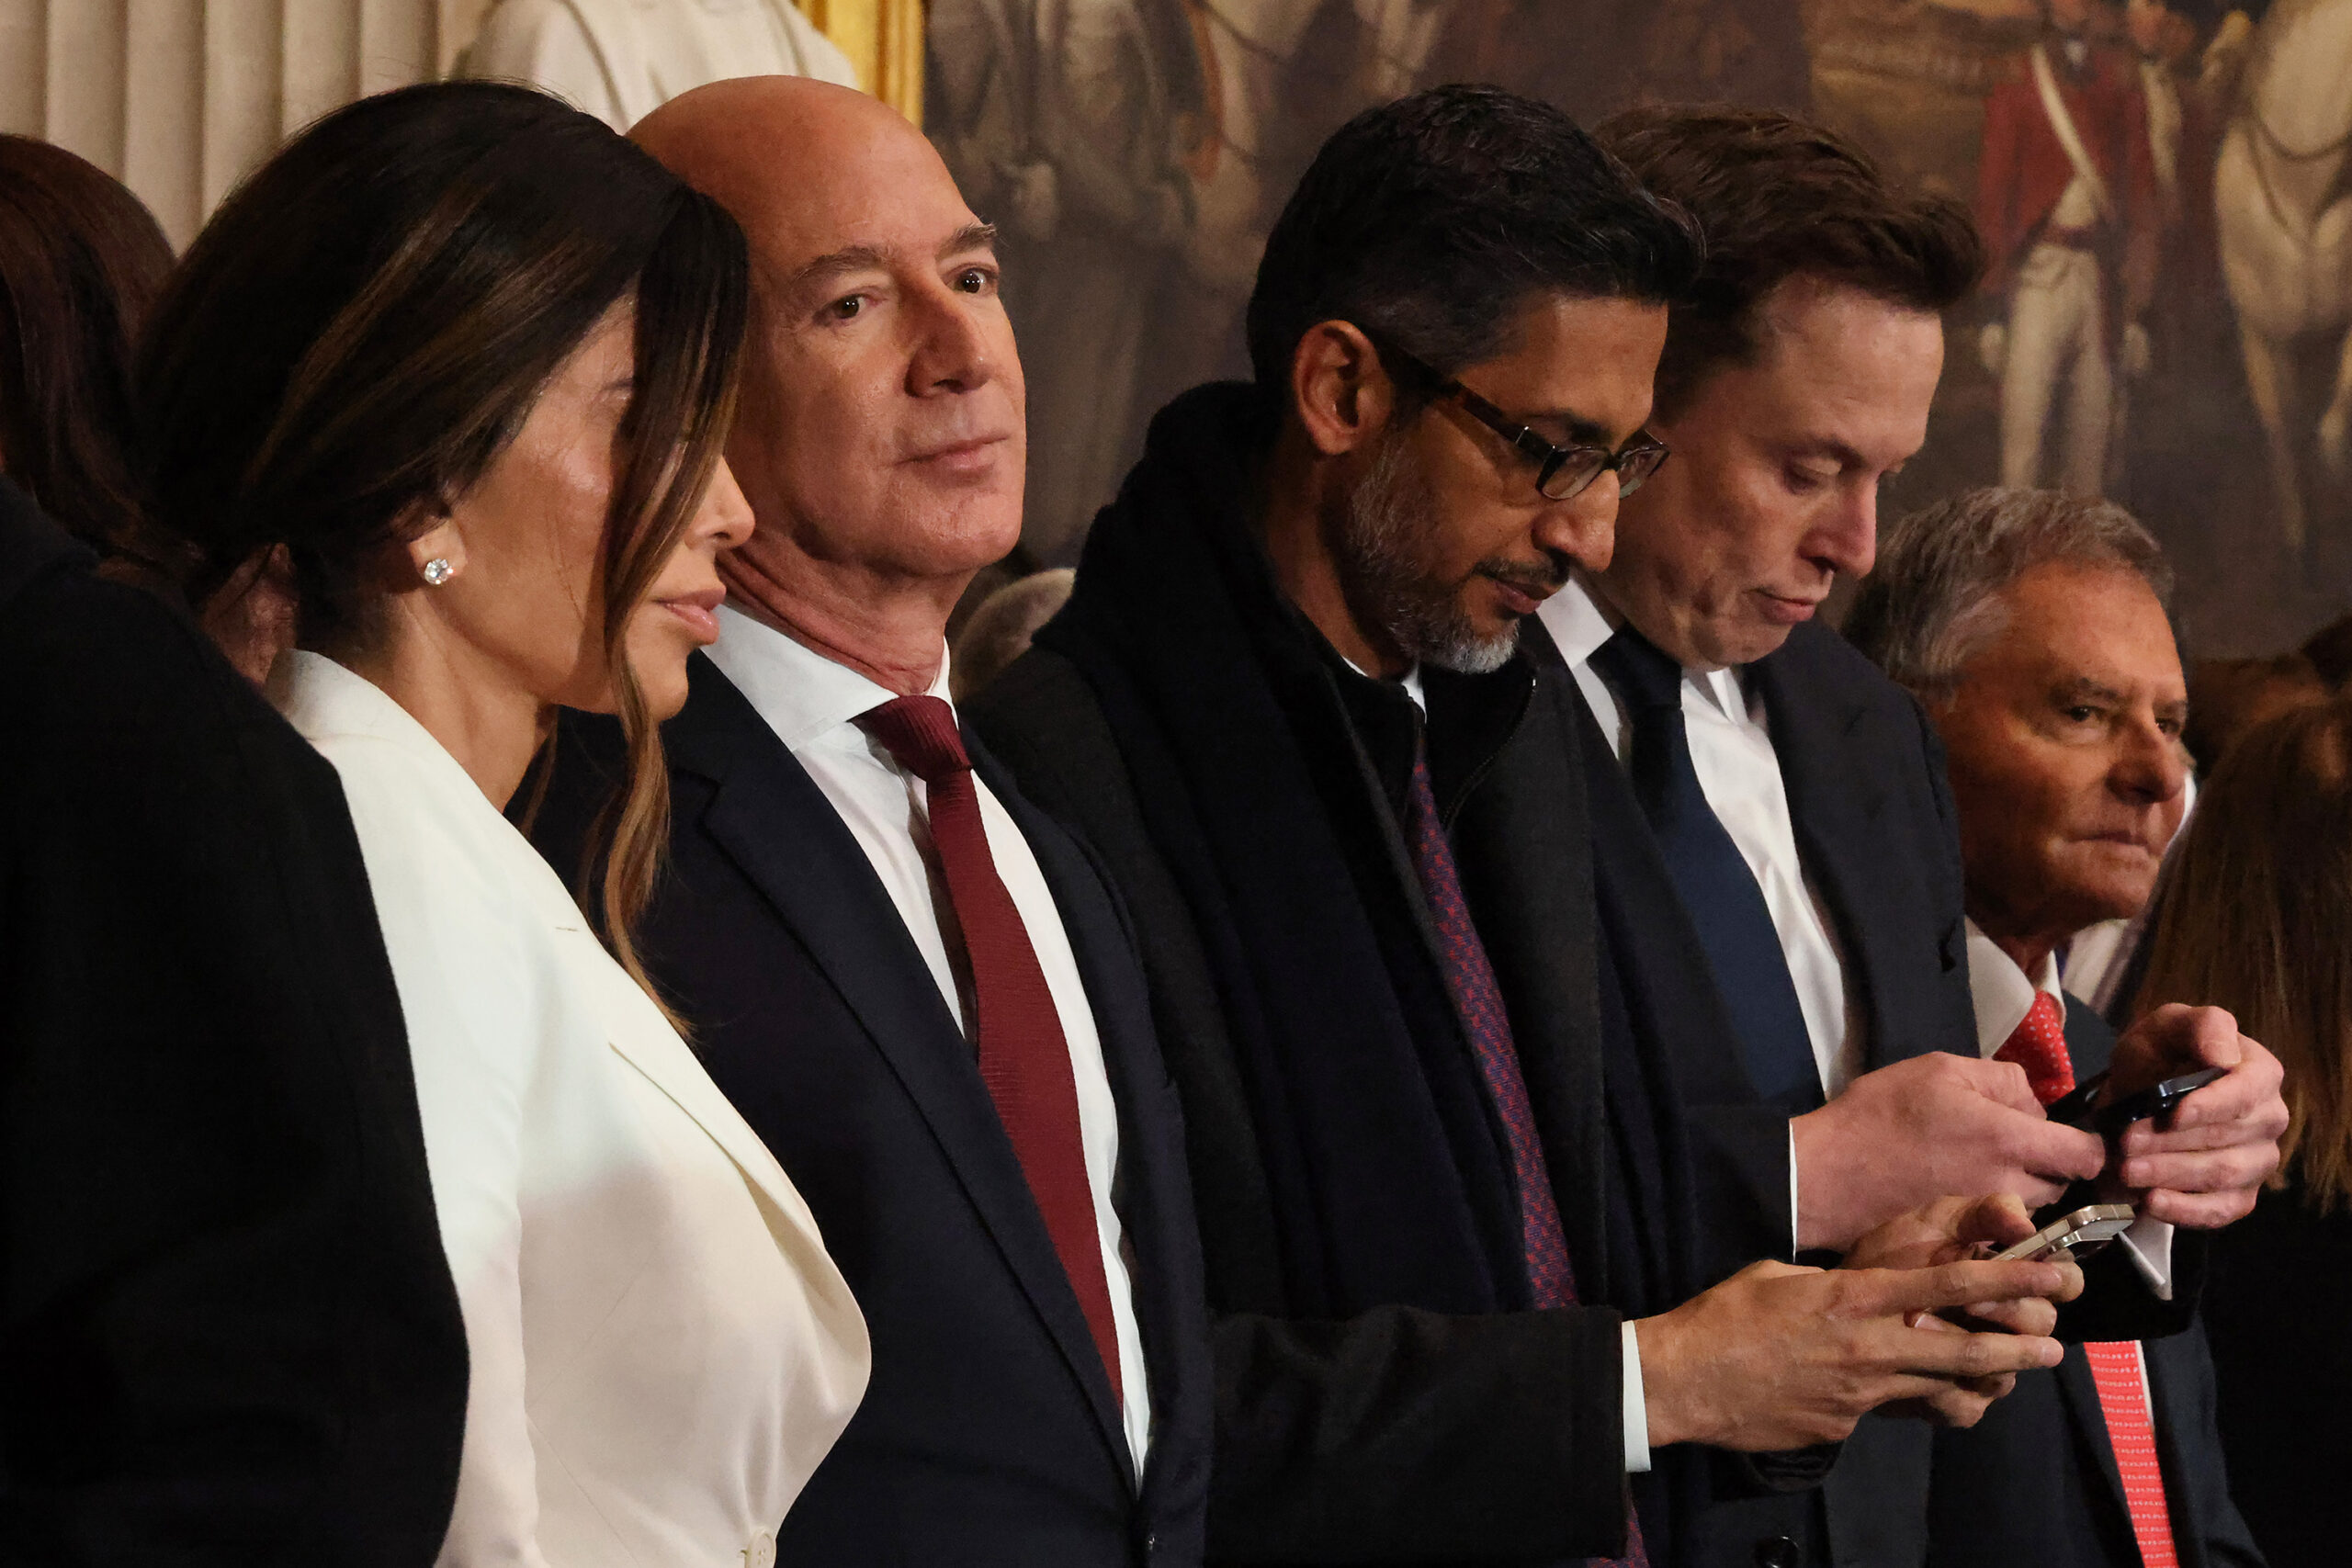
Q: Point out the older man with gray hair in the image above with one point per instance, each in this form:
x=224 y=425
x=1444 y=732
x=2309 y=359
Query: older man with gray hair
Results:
x=2031 y=624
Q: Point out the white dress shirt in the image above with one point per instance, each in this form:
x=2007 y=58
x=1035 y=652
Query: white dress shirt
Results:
x=660 y=1351
x=811 y=704
x=2003 y=995
x=1635 y=1403
x=1731 y=750
x=1739 y=773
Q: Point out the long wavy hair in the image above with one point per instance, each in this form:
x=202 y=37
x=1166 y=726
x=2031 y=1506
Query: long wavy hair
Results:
x=365 y=325
x=81 y=262
x=2254 y=915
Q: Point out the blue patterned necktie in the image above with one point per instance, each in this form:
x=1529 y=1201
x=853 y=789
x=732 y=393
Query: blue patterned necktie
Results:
x=1552 y=1283
x=1716 y=886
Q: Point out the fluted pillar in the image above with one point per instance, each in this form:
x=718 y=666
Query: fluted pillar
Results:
x=180 y=98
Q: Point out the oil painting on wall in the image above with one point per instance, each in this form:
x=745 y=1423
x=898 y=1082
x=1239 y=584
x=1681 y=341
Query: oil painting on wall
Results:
x=2165 y=188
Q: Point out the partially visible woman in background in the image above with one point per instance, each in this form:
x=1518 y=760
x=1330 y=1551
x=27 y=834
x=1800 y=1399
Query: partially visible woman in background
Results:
x=2256 y=916
x=464 y=359
x=81 y=263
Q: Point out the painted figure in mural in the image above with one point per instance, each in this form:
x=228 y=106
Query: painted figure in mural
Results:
x=1064 y=122
x=2184 y=137
x=620 y=59
x=1133 y=152
x=2283 y=199
x=2067 y=201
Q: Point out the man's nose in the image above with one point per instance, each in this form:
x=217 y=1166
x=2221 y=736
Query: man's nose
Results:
x=1846 y=541
x=2152 y=768
x=1583 y=527
x=952 y=351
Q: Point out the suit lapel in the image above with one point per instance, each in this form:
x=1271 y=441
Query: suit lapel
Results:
x=671 y=1064
x=778 y=826
x=1835 y=810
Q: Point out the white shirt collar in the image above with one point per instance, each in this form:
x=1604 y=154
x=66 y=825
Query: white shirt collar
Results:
x=1411 y=680
x=804 y=695
x=2002 y=992
x=1580 y=621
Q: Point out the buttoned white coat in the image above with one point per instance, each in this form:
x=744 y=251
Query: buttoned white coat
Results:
x=660 y=1349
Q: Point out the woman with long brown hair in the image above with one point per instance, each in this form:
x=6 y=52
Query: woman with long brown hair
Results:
x=81 y=261
x=461 y=361
x=2254 y=915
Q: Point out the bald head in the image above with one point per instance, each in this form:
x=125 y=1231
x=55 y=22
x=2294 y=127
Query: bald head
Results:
x=879 y=436
x=780 y=148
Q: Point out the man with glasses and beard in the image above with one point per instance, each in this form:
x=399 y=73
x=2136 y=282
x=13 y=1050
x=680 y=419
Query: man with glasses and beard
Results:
x=1440 y=1184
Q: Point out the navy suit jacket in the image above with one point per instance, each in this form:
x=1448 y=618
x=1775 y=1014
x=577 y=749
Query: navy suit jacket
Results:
x=2036 y=1480
x=989 y=1434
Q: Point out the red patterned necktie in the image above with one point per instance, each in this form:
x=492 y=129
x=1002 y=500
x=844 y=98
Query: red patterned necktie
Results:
x=2039 y=1045
x=1471 y=977
x=1024 y=1056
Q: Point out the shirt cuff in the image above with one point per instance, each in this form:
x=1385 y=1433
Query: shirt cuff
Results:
x=1637 y=1410
x=1794 y=1246
x=2149 y=1241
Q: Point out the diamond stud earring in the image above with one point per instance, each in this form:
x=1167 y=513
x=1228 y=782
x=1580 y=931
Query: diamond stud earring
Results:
x=438 y=571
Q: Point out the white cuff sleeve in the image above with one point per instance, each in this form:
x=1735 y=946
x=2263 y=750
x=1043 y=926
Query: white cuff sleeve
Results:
x=2149 y=1243
x=1637 y=1410
x=1793 y=1244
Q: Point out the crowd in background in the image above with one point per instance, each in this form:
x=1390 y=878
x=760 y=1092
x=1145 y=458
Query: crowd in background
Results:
x=1417 y=1007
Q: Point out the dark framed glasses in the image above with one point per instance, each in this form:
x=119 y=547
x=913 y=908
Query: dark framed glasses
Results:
x=1562 y=473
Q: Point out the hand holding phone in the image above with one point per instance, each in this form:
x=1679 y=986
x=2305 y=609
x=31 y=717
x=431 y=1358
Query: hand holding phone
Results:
x=2080 y=1109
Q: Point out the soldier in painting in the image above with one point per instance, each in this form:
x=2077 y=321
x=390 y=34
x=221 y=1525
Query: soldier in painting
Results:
x=2067 y=200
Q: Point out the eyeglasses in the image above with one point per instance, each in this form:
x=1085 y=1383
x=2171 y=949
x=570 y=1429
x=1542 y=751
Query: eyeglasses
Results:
x=1562 y=473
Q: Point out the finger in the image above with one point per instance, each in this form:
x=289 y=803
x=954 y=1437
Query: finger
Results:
x=2040 y=1194
x=2198 y=1210
x=2173 y=1039
x=1964 y=1404
x=2213 y=1038
x=2221 y=1170
x=2004 y=1083
x=2249 y=1092
x=1975 y=1355
x=1956 y=1284
x=1998 y=1218
x=2033 y=1316
x=2262 y=1127
x=2053 y=1150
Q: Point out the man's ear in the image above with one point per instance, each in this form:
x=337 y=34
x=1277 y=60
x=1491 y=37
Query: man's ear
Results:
x=1340 y=387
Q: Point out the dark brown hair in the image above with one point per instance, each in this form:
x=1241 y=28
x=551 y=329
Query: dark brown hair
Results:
x=2253 y=915
x=81 y=262
x=366 y=324
x=1776 y=197
x=1430 y=222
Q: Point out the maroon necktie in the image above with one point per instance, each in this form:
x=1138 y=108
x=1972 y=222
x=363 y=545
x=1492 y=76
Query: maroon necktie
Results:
x=1551 y=1281
x=1025 y=1060
x=2039 y=1045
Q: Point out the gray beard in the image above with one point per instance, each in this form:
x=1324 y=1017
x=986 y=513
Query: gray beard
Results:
x=1380 y=546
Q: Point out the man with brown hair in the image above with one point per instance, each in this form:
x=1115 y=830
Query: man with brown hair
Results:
x=1798 y=889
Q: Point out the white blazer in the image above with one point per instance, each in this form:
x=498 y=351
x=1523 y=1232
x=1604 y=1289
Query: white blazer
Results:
x=660 y=1349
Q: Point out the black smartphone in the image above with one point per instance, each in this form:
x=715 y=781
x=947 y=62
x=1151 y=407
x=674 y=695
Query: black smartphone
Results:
x=2077 y=1110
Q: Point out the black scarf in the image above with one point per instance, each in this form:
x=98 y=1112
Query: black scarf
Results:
x=1246 y=737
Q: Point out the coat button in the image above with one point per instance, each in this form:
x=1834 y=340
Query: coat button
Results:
x=761 y=1553
x=1150 y=1544
x=1779 y=1552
